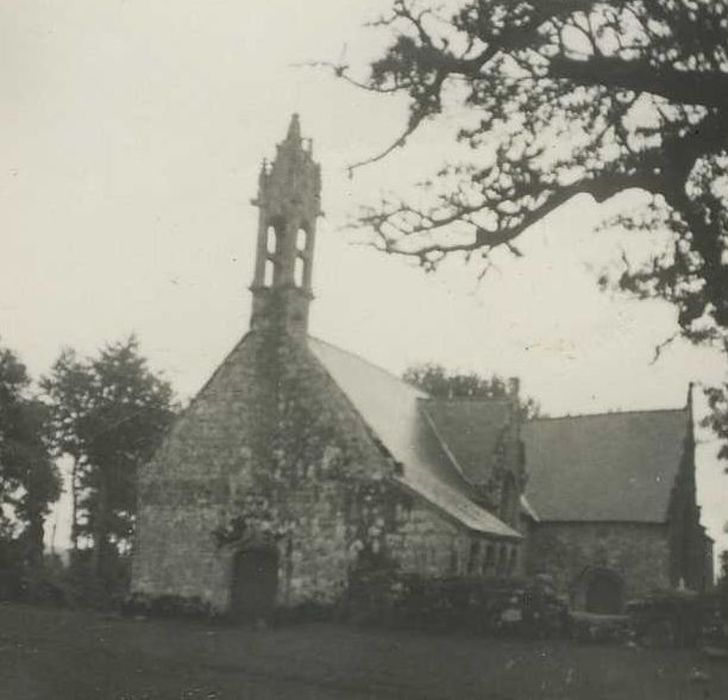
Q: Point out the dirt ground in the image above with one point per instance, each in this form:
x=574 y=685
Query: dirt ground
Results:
x=59 y=654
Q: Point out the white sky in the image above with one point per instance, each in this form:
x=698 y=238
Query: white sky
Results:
x=132 y=136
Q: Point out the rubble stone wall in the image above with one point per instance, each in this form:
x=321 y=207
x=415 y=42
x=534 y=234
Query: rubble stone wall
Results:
x=637 y=552
x=427 y=543
x=270 y=443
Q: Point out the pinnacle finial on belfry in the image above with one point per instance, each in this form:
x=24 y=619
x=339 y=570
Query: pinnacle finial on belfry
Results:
x=289 y=202
x=294 y=128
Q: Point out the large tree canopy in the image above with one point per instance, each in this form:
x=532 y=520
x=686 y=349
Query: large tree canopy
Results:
x=29 y=480
x=110 y=413
x=439 y=382
x=566 y=97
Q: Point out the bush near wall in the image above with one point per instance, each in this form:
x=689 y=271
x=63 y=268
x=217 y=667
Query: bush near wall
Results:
x=601 y=629
x=74 y=586
x=669 y=618
x=167 y=606
x=482 y=606
x=82 y=588
x=36 y=584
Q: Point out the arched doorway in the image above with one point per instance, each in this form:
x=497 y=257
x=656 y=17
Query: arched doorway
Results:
x=603 y=592
x=255 y=583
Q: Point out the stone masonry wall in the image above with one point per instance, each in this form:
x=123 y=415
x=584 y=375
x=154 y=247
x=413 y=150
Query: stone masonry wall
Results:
x=184 y=493
x=637 y=552
x=426 y=543
x=270 y=442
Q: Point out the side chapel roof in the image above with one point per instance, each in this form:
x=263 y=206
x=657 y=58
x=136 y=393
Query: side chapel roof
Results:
x=393 y=411
x=472 y=429
x=606 y=467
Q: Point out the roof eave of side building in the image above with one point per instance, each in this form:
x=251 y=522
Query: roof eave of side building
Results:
x=503 y=532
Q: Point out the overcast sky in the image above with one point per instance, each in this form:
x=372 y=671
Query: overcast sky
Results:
x=132 y=134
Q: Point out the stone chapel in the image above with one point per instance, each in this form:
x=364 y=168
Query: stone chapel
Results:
x=299 y=464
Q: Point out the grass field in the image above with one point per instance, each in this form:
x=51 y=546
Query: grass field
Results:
x=60 y=654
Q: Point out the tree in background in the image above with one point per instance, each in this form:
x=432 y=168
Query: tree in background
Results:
x=441 y=383
x=558 y=98
x=109 y=415
x=69 y=390
x=29 y=479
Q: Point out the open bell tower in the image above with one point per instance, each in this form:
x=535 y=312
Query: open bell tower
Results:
x=289 y=202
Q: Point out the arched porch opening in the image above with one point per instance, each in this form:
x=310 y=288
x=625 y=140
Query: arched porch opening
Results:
x=600 y=591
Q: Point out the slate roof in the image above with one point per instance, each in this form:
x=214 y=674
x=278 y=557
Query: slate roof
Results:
x=607 y=467
x=472 y=430
x=391 y=409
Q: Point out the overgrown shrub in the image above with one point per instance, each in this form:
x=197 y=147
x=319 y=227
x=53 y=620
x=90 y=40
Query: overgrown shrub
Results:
x=84 y=589
x=24 y=582
x=167 y=606
x=668 y=618
x=601 y=629
x=484 y=606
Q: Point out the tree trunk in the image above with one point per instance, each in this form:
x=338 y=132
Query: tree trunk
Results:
x=35 y=518
x=35 y=539
x=74 y=507
x=101 y=529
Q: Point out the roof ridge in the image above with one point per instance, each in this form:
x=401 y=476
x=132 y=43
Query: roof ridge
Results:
x=606 y=413
x=218 y=368
x=465 y=399
x=372 y=365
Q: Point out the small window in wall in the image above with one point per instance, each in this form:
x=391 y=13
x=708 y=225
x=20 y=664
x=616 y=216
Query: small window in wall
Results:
x=454 y=563
x=271 y=241
x=473 y=557
x=270 y=268
x=489 y=558
x=299 y=271
x=501 y=568
x=301 y=239
x=512 y=559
